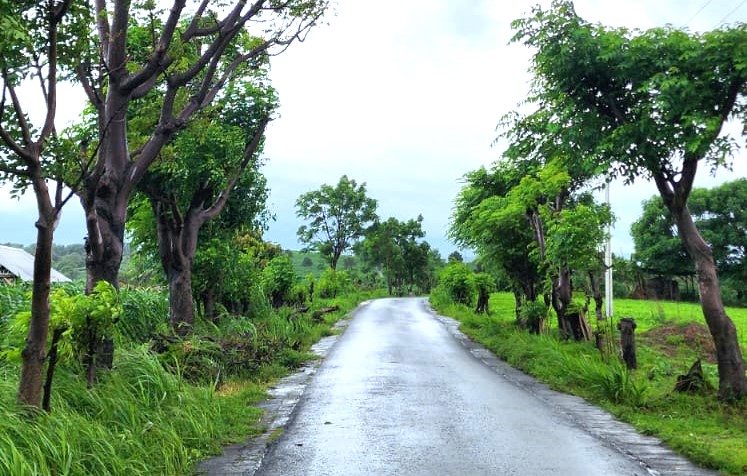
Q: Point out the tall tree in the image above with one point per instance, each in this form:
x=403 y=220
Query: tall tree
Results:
x=337 y=217
x=719 y=214
x=501 y=239
x=194 y=179
x=33 y=37
x=186 y=53
x=398 y=250
x=658 y=247
x=649 y=104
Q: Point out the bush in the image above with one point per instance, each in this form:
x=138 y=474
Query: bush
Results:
x=145 y=312
x=332 y=283
x=278 y=278
x=613 y=381
x=458 y=283
x=534 y=314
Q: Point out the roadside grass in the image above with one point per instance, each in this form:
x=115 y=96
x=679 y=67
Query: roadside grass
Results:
x=708 y=432
x=158 y=413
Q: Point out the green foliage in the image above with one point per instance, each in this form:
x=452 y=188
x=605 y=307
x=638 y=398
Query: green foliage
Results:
x=458 y=283
x=611 y=381
x=144 y=313
x=485 y=220
x=397 y=250
x=142 y=421
x=534 y=314
x=701 y=428
x=337 y=217
x=719 y=215
x=333 y=283
x=278 y=278
x=85 y=320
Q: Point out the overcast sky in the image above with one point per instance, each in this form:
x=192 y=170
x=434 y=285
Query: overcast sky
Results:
x=405 y=96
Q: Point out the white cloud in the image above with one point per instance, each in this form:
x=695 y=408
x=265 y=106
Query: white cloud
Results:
x=405 y=96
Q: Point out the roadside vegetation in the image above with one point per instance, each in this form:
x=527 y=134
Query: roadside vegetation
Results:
x=169 y=401
x=670 y=337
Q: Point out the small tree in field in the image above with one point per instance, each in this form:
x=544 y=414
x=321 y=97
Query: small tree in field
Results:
x=337 y=217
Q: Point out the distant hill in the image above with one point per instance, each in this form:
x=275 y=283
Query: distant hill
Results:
x=310 y=262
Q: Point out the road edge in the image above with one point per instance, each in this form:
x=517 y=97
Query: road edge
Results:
x=650 y=452
x=278 y=409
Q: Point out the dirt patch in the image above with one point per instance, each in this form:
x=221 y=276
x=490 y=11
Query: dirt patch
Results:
x=670 y=337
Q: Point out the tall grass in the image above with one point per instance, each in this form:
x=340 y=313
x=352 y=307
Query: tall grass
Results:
x=140 y=420
x=163 y=407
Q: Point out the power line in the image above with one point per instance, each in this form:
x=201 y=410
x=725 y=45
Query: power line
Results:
x=698 y=12
x=730 y=13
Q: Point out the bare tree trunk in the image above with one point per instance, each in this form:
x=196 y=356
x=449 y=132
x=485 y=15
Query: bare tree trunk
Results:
x=561 y=298
x=51 y=365
x=517 y=305
x=34 y=351
x=181 y=305
x=177 y=245
x=732 y=382
x=596 y=291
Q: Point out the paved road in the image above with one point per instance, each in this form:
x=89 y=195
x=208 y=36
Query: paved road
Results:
x=397 y=395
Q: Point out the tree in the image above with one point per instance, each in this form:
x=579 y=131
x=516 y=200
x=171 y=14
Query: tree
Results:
x=500 y=235
x=719 y=215
x=455 y=257
x=651 y=104
x=185 y=54
x=195 y=178
x=658 y=247
x=398 y=250
x=34 y=37
x=338 y=217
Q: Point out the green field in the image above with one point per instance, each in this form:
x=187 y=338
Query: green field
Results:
x=670 y=337
x=649 y=314
x=309 y=262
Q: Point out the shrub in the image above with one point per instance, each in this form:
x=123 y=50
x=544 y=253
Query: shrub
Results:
x=278 y=278
x=332 y=283
x=458 y=282
x=534 y=314
x=613 y=381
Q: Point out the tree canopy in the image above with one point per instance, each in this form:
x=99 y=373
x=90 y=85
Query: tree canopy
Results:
x=643 y=104
x=337 y=217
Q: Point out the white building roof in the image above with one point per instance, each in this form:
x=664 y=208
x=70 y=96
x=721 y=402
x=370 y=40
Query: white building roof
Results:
x=21 y=264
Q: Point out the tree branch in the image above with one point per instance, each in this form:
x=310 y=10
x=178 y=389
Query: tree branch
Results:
x=249 y=152
x=102 y=25
x=156 y=62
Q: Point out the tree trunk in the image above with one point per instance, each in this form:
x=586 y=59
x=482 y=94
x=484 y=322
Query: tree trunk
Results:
x=561 y=298
x=177 y=245
x=627 y=326
x=596 y=291
x=51 y=365
x=732 y=382
x=35 y=348
x=517 y=305
x=181 y=305
x=105 y=221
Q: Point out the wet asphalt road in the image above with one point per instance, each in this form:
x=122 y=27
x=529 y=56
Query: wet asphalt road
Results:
x=397 y=395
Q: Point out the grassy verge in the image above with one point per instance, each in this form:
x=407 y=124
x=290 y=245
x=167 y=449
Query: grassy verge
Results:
x=708 y=432
x=159 y=413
